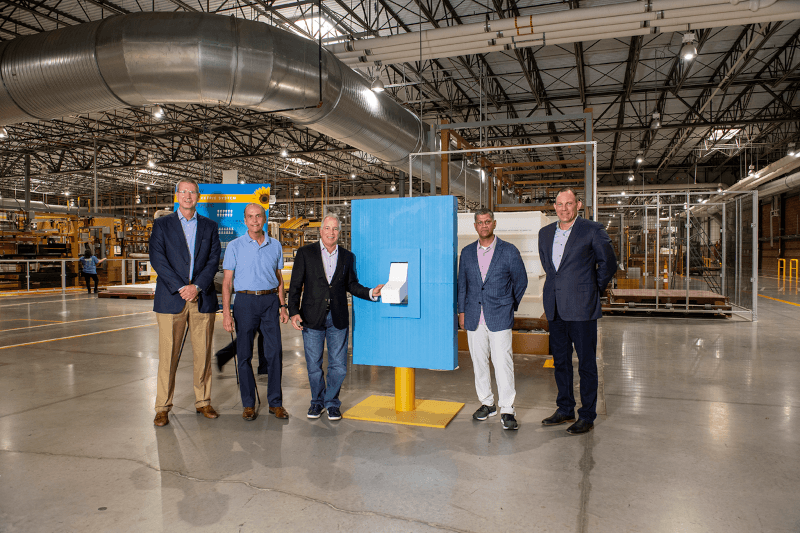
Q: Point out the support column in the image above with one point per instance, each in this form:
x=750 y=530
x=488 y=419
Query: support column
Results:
x=445 y=162
x=404 y=395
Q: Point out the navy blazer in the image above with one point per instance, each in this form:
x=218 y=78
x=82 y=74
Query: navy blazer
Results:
x=500 y=294
x=309 y=280
x=170 y=257
x=588 y=264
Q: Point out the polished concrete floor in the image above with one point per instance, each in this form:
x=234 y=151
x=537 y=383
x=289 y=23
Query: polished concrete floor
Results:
x=701 y=434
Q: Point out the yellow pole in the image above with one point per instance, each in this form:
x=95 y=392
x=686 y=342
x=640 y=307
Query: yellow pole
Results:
x=404 y=399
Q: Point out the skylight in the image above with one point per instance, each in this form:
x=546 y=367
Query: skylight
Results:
x=723 y=134
x=311 y=25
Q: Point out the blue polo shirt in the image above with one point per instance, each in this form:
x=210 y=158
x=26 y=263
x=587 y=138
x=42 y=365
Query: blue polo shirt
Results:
x=254 y=265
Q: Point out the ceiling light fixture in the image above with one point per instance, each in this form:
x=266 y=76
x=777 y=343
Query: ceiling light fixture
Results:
x=147 y=188
x=151 y=163
x=377 y=86
x=639 y=158
x=630 y=176
x=655 y=123
x=751 y=170
x=392 y=188
x=689 y=49
x=297 y=190
x=792 y=151
x=138 y=199
x=158 y=112
x=719 y=188
x=352 y=175
x=284 y=152
x=3 y=133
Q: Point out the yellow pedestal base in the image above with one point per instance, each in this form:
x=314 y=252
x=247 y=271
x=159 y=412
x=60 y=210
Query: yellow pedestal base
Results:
x=428 y=413
x=548 y=363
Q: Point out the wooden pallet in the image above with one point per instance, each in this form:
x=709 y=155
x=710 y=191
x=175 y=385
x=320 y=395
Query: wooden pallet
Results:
x=622 y=298
x=125 y=295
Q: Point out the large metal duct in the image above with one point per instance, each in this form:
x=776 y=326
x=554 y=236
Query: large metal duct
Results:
x=196 y=58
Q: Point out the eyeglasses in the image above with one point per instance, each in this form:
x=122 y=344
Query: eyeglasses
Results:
x=187 y=191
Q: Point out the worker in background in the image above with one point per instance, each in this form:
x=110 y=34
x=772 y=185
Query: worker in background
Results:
x=491 y=282
x=256 y=260
x=579 y=261
x=184 y=251
x=323 y=274
x=89 y=269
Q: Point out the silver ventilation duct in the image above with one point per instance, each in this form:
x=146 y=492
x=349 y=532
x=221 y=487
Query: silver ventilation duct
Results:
x=196 y=58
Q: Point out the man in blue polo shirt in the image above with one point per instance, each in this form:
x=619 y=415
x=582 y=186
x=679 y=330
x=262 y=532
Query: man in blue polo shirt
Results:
x=257 y=260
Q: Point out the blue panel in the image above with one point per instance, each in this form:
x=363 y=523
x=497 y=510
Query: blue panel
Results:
x=385 y=230
x=402 y=255
x=225 y=203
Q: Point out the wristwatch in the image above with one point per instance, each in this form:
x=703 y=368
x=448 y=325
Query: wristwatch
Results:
x=286 y=306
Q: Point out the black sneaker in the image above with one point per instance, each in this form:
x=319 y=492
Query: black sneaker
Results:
x=334 y=413
x=509 y=422
x=484 y=412
x=315 y=411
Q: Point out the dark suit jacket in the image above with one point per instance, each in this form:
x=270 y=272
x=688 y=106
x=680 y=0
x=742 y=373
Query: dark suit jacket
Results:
x=500 y=294
x=169 y=256
x=308 y=279
x=588 y=264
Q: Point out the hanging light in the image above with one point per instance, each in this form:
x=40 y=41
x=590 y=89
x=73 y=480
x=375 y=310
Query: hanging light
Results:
x=352 y=175
x=719 y=188
x=639 y=158
x=241 y=182
x=630 y=176
x=377 y=85
x=284 y=152
x=392 y=188
x=655 y=123
x=3 y=133
x=624 y=193
x=66 y=193
x=147 y=188
x=297 y=190
x=311 y=211
x=619 y=202
x=158 y=112
x=151 y=163
x=689 y=50
x=751 y=170
x=792 y=151
x=138 y=199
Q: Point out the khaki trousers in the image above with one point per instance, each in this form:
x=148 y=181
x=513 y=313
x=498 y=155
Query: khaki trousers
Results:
x=170 y=335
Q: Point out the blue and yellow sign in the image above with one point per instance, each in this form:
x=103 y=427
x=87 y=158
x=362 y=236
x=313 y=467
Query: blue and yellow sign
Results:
x=225 y=203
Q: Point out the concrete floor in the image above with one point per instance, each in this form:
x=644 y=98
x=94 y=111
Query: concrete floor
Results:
x=702 y=433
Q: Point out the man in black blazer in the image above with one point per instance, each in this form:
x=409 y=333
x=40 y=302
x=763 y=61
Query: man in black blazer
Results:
x=579 y=261
x=184 y=251
x=323 y=273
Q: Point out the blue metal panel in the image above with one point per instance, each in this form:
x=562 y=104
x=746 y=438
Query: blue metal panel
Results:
x=389 y=229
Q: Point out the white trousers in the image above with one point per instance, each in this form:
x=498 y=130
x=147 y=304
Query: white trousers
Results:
x=497 y=344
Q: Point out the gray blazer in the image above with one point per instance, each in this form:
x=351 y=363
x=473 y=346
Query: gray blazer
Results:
x=499 y=295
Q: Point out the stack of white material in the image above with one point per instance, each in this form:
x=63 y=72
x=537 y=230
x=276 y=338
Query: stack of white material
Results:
x=522 y=230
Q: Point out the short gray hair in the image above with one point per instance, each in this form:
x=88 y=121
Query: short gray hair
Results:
x=484 y=211
x=263 y=211
x=331 y=215
x=190 y=181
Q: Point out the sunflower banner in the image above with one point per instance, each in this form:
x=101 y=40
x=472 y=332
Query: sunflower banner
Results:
x=225 y=203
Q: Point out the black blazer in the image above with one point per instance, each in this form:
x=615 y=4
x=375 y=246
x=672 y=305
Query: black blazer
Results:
x=169 y=256
x=308 y=279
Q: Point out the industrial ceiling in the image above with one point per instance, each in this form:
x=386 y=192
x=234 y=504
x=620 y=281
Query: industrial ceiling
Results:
x=732 y=106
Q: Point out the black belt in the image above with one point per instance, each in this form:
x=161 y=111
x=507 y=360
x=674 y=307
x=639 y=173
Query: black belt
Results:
x=258 y=293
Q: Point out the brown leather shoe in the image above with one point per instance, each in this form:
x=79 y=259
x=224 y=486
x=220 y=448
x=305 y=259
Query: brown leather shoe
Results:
x=279 y=412
x=249 y=414
x=207 y=411
x=162 y=419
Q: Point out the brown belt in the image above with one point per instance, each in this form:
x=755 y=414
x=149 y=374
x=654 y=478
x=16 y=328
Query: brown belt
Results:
x=258 y=293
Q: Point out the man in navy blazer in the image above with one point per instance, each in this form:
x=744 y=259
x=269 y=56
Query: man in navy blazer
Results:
x=184 y=251
x=579 y=261
x=491 y=282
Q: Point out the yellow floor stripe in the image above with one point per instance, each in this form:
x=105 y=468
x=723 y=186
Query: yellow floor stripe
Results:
x=25 y=320
x=75 y=336
x=777 y=300
x=73 y=321
x=47 y=301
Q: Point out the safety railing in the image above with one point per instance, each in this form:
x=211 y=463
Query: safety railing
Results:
x=39 y=275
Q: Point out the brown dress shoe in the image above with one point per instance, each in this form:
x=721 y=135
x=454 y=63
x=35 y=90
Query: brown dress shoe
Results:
x=249 y=414
x=279 y=412
x=162 y=419
x=207 y=411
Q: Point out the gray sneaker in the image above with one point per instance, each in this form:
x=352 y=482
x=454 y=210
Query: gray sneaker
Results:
x=485 y=412
x=509 y=422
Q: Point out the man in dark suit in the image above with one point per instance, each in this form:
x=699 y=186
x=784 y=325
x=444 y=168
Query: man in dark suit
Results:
x=579 y=261
x=323 y=273
x=184 y=251
x=491 y=282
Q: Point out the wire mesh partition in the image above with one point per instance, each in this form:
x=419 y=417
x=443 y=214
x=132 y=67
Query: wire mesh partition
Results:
x=683 y=252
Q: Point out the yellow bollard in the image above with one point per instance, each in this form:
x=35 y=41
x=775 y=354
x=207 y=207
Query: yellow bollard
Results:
x=782 y=267
x=792 y=268
x=404 y=396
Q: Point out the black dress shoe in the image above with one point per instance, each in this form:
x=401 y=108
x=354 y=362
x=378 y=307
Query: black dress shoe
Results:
x=580 y=427
x=557 y=419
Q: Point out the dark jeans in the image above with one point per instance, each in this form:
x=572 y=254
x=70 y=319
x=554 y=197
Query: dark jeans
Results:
x=260 y=313
x=583 y=334
x=87 y=277
x=313 y=339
